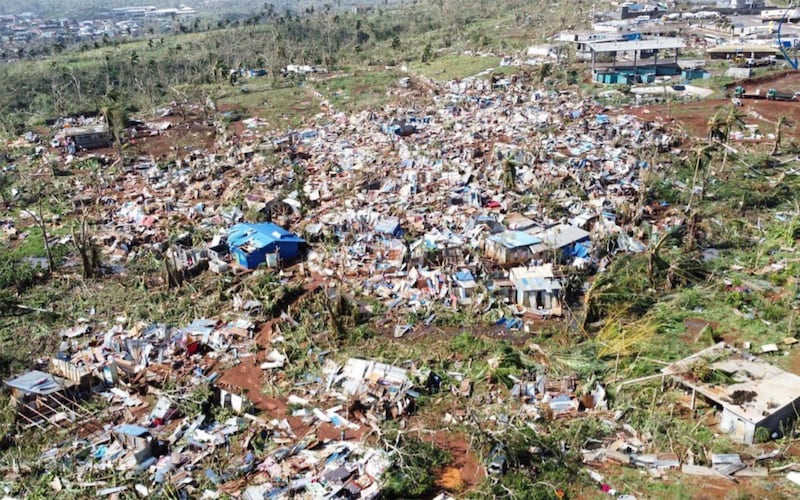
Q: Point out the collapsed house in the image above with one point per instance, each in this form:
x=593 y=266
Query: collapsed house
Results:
x=89 y=137
x=752 y=393
x=41 y=398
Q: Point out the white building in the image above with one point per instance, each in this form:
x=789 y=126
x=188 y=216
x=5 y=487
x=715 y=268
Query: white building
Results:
x=537 y=290
x=759 y=396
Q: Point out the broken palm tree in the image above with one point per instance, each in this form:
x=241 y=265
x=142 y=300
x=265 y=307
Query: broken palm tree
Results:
x=87 y=249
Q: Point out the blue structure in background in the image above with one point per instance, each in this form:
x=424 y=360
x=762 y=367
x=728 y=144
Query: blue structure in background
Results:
x=792 y=61
x=255 y=244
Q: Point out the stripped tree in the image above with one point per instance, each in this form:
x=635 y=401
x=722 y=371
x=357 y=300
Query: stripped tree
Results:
x=86 y=248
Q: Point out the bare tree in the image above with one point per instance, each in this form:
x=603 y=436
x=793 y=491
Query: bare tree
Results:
x=782 y=120
x=88 y=251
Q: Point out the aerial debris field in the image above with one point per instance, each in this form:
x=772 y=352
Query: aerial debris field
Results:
x=477 y=273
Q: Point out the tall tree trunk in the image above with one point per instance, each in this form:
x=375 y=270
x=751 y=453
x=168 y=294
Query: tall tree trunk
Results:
x=694 y=180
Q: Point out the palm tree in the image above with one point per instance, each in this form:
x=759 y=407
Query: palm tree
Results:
x=716 y=129
x=733 y=118
x=545 y=70
x=720 y=127
x=702 y=159
x=782 y=120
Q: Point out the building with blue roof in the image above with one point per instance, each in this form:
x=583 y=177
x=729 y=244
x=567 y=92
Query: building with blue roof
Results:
x=254 y=244
x=510 y=247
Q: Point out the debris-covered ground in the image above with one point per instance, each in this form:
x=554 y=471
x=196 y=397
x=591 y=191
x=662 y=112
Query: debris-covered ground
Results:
x=477 y=287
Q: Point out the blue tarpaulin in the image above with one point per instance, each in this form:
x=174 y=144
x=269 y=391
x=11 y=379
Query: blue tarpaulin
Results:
x=464 y=276
x=250 y=243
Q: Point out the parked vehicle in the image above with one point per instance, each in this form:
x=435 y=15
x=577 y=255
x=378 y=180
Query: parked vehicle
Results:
x=777 y=95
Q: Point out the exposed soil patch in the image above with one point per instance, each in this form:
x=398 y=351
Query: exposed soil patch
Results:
x=786 y=81
x=695 y=327
x=247 y=377
x=465 y=470
x=693 y=116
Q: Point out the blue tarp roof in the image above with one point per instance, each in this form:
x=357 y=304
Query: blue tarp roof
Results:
x=514 y=239
x=259 y=235
x=132 y=430
x=464 y=275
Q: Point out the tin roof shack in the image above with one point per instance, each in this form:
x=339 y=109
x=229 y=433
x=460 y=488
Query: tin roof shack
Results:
x=389 y=226
x=254 y=244
x=465 y=286
x=510 y=247
x=753 y=51
x=137 y=440
x=41 y=397
x=94 y=137
x=560 y=241
x=537 y=289
x=753 y=394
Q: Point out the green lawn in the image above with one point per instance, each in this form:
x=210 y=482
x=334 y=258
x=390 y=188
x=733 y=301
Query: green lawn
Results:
x=282 y=107
x=358 y=91
x=455 y=66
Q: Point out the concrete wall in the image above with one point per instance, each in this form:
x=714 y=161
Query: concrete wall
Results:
x=788 y=414
x=736 y=427
x=744 y=431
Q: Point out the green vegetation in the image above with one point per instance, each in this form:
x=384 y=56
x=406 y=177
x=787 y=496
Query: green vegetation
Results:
x=454 y=67
x=282 y=108
x=411 y=474
x=720 y=243
x=358 y=91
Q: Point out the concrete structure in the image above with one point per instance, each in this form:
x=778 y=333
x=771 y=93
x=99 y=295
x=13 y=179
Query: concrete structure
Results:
x=753 y=51
x=537 y=290
x=582 y=39
x=762 y=396
x=743 y=4
x=642 y=51
x=255 y=244
x=464 y=286
x=93 y=137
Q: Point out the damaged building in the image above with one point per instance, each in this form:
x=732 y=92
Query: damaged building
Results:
x=752 y=393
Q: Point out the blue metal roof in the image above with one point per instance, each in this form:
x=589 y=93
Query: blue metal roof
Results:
x=35 y=382
x=514 y=239
x=259 y=235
